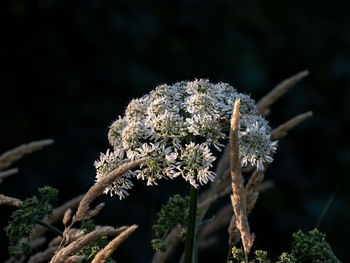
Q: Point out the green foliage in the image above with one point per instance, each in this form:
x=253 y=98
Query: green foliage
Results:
x=26 y=217
x=306 y=248
x=91 y=250
x=286 y=258
x=312 y=247
x=260 y=256
x=174 y=212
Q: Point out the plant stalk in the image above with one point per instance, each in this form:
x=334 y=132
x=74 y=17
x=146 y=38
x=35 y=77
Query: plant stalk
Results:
x=49 y=227
x=191 y=226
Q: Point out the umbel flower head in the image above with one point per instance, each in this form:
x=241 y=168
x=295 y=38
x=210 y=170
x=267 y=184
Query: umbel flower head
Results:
x=179 y=126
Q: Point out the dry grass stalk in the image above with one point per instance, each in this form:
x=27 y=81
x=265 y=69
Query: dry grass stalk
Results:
x=238 y=197
x=283 y=129
x=55 y=242
x=75 y=258
x=63 y=254
x=9 y=157
x=59 y=212
x=53 y=246
x=8 y=173
x=105 y=253
x=6 y=200
x=43 y=255
x=67 y=216
x=95 y=211
x=222 y=219
x=73 y=234
x=253 y=185
x=98 y=188
x=265 y=102
x=234 y=233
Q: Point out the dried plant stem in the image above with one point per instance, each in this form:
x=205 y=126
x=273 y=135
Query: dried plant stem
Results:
x=222 y=218
x=265 y=102
x=191 y=226
x=6 y=200
x=97 y=189
x=42 y=256
x=75 y=258
x=58 y=212
x=283 y=129
x=8 y=173
x=9 y=157
x=238 y=197
x=63 y=254
x=105 y=253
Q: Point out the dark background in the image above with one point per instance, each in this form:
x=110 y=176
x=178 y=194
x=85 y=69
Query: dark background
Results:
x=69 y=68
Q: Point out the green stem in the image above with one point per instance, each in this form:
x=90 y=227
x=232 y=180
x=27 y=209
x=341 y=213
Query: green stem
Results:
x=191 y=225
x=49 y=227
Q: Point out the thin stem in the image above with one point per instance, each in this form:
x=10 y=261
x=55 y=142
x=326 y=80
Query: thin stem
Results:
x=191 y=226
x=49 y=227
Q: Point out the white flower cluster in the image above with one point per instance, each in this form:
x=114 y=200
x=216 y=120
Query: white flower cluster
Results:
x=179 y=126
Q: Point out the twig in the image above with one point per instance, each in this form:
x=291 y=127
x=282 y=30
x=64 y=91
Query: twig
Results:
x=105 y=253
x=9 y=157
x=265 y=102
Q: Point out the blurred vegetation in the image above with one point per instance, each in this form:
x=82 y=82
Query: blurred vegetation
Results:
x=70 y=68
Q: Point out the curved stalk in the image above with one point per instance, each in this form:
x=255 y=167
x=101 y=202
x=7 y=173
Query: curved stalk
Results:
x=49 y=227
x=191 y=226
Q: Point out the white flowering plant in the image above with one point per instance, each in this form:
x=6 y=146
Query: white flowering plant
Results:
x=178 y=128
x=181 y=127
